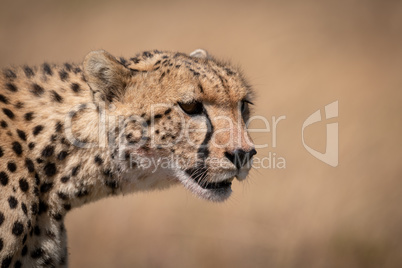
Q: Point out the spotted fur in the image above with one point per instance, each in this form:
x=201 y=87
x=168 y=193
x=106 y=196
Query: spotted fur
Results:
x=72 y=134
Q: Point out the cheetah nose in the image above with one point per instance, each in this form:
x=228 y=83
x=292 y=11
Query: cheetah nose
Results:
x=239 y=157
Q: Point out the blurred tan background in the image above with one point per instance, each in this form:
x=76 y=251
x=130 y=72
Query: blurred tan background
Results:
x=299 y=56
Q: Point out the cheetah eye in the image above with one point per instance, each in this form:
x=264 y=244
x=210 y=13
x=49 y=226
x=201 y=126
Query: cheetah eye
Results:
x=192 y=108
x=244 y=105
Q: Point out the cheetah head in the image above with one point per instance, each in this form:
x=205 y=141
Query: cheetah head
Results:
x=182 y=118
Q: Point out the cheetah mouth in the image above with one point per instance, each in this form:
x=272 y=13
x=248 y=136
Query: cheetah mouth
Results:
x=225 y=184
x=200 y=176
x=196 y=180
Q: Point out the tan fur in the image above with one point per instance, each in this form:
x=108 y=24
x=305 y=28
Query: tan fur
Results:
x=77 y=133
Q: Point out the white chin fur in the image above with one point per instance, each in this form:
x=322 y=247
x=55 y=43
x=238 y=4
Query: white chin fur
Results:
x=215 y=195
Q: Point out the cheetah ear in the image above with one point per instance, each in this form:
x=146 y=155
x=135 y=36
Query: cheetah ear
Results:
x=105 y=75
x=199 y=53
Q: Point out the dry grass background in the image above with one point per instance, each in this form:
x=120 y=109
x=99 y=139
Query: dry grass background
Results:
x=300 y=56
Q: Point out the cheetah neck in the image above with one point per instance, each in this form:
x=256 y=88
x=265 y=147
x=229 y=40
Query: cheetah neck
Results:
x=73 y=143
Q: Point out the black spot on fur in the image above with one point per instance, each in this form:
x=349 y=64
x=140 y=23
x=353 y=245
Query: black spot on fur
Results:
x=17 y=264
x=11 y=87
x=46 y=187
x=12 y=202
x=28 y=116
x=72 y=114
x=123 y=61
x=162 y=76
x=56 y=97
x=201 y=88
x=63 y=75
x=3 y=124
x=53 y=138
x=111 y=184
x=24 y=251
x=107 y=173
x=48 y=151
x=37 y=179
x=82 y=106
x=59 y=126
x=147 y=54
x=229 y=72
x=9 y=74
x=49 y=262
x=62 y=196
x=62 y=155
x=75 y=170
x=11 y=166
x=30 y=165
x=67 y=207
x=50 y=169
x=1 y=244
x=57 y=217
x=17 y=148
x=82 y=193
x=43 y=207
x=24 y=208
x=19 y=105
x=9 y=113
x=31 y=145
x=46 y=69
x=37 y=253
x=98 y=160
x=68 y=67
x=37 y=90
x=22 y=135
x=4 y=99
x=37 y=130
x=28 y=72
x=135 y=60
x=24 y=186
x=1 y=152
x=3 y=178
x=65 y=179
x=1 y=218
x=34 y=209
x=6 y=262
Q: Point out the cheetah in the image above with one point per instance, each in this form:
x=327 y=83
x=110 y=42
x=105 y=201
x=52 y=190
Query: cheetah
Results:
x=71 y=134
